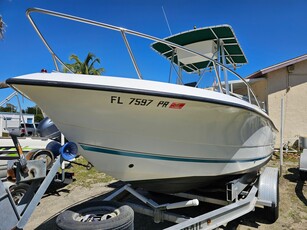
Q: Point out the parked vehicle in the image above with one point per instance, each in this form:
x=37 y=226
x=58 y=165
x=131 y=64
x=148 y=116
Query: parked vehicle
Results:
x=27 y=130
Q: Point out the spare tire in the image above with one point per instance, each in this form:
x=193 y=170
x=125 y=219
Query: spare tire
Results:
x=97 y=215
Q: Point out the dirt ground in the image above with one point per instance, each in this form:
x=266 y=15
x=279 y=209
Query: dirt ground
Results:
x=293 y=205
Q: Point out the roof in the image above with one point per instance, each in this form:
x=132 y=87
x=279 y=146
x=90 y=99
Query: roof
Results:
x=264 y=71
x=203 y=41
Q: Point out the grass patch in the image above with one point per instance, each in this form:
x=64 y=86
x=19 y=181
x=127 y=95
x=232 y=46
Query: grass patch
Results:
x=86 y=178
x=290 y=156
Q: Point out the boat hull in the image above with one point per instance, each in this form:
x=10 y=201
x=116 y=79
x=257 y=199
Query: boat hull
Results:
x=153 y=136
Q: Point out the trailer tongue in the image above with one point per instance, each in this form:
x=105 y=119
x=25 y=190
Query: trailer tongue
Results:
x=39 y=174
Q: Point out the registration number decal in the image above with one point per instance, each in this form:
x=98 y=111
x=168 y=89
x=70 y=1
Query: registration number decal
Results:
x=134 y=101
x=139 y=101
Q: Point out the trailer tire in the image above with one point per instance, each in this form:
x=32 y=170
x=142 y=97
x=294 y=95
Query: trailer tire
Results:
x=18 y=191
x=269 y=191
x=109 y=215
x=272 y=213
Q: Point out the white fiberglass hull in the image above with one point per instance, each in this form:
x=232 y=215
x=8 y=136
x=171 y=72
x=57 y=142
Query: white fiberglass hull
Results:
x=141 y=131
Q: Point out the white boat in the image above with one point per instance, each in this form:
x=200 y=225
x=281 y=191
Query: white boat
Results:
x=157 y=135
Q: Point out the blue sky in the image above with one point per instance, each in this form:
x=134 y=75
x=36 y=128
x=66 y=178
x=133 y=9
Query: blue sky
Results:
x=269 y=31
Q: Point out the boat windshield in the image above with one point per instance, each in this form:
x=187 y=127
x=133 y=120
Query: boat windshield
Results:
x=211 y=50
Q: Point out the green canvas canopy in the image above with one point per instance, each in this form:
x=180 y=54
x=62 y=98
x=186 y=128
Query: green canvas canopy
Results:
x=203 y=41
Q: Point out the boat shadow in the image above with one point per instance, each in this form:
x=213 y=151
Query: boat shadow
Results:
x=55 y=189
x=294 y=177
x=254 y=219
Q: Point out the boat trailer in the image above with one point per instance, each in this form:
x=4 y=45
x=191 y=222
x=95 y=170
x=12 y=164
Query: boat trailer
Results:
x=242 y=197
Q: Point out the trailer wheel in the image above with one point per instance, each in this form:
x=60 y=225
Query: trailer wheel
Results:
x=18 y=191
x=45 y=155
x=97 y=215
x=269 y=191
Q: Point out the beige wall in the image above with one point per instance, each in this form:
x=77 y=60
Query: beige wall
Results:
x=293 y=88
x=260 y=89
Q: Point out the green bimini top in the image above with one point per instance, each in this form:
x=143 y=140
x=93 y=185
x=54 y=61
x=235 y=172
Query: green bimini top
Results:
x=203 y=41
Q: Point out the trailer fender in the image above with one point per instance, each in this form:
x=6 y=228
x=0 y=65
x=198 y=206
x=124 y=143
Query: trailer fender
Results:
x=268 y=193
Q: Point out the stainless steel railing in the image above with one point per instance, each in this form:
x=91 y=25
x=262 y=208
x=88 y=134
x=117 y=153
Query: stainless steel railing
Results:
x=123 y=32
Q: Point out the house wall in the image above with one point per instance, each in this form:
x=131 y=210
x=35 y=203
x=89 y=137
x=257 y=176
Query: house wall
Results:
x=293 y=88
x=290 y=85
x=260 y=89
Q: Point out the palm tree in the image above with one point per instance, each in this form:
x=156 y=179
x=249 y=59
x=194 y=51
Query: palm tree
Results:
x=86 y=67
x=2 y=30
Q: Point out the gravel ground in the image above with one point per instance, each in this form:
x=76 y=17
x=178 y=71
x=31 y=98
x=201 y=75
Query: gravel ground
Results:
x=293 y=205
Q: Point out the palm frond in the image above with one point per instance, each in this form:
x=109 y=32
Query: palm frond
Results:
x=86 y=67
x=93 y=62
x=2 y=28
x=88 y=58
x=3 y=85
